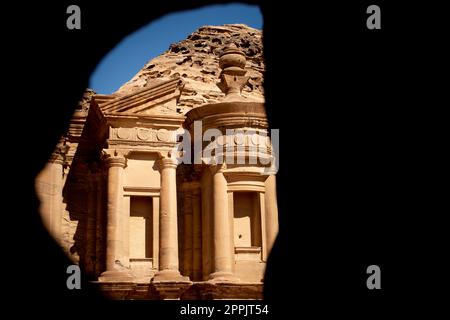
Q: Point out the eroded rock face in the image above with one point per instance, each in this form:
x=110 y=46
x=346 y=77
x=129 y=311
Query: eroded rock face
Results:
x=83 y=104
x=196 y=61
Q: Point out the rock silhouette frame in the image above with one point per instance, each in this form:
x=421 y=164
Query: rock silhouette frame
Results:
x=330 y=53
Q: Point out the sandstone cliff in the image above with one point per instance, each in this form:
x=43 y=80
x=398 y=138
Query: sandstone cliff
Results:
x=196 y=61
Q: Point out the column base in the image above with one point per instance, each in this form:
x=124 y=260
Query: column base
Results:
x=116 y=276
x=169 y=284
x=221 y=276
x=169 y=276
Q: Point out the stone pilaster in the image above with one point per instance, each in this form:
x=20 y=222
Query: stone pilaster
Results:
x=196 y=232
x=187 y=226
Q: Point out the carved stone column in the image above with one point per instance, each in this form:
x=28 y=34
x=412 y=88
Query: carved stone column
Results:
x=187 y=243
x=168 y=228
x=54 y=212
x=168 y=283
x=223 y=239
x=115 y=271
x=271 y=212
x=49 y=186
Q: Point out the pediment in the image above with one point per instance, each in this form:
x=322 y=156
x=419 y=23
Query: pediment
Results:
x=158 y=99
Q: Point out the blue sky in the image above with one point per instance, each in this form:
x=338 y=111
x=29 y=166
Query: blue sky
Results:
x=133 y=52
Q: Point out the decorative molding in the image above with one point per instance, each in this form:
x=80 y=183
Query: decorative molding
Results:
x=246 y=186
x=254 y=250
x=138 y=134
x=245 y=181
x=229 y=115
x=149 y=96
x=141 y=191
x=152 y=109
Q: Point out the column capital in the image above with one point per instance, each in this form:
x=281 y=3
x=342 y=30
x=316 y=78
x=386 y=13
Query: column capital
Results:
x=115 y=162
x=167 y=162
x=218 y=168
x=113 y=158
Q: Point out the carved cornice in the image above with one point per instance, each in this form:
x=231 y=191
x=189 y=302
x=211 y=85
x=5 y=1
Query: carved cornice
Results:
x=133 y=103
x=137 y=107
x=77 y=123
x=146 y=116
x=244 y=174
x=229 y=115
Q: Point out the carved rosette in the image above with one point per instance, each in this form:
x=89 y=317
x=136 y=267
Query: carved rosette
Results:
x=142 y=135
